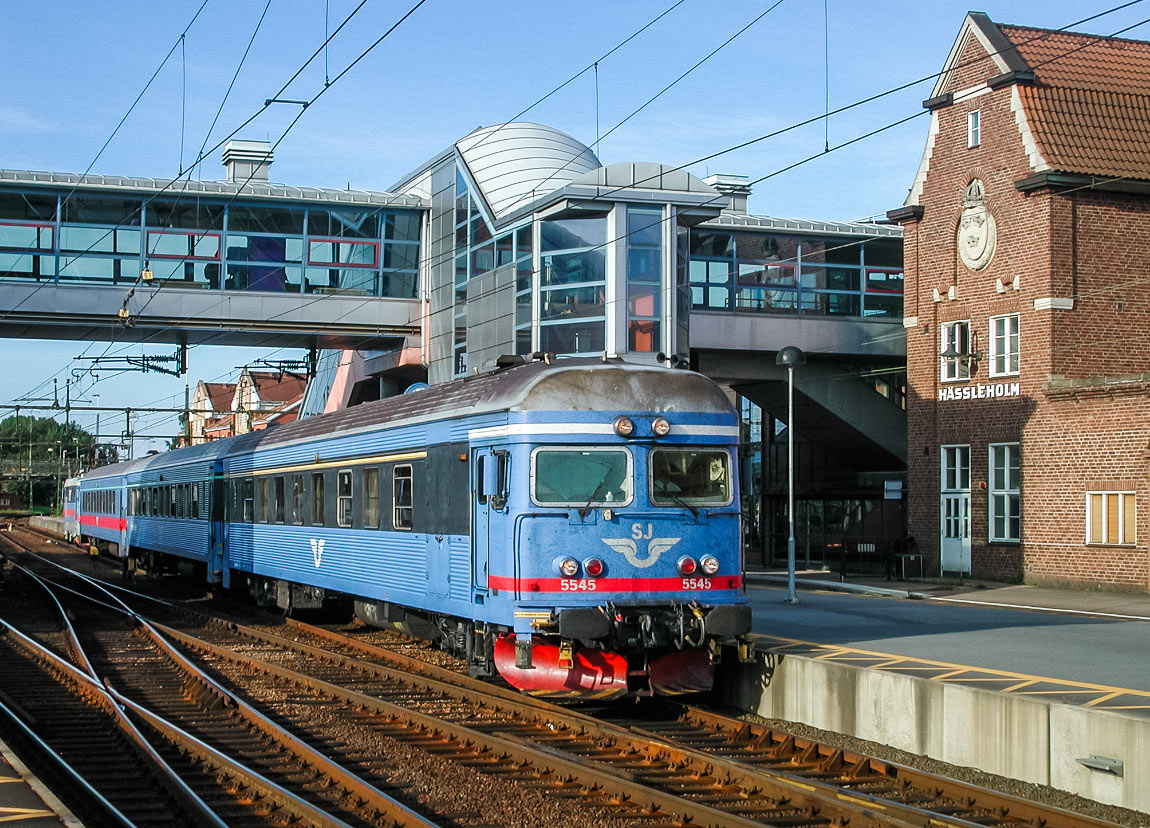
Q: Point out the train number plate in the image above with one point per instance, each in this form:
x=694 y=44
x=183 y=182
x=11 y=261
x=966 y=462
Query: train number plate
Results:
x=576 y=585
x=696 y=583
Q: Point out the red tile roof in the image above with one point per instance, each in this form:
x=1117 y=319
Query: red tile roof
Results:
x=1089 y=108
x=275 y=387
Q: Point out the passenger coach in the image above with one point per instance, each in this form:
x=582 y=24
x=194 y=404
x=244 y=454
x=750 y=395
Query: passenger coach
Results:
x=573 y=524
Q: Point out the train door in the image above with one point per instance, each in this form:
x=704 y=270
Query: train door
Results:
x=218 y=569
x=489 y=487
x=955 y=509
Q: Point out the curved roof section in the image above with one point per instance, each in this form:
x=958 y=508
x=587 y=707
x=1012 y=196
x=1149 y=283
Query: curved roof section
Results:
x=513 y=164
x=646 y=176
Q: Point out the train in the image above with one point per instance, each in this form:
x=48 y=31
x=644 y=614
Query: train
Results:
x=572 y=525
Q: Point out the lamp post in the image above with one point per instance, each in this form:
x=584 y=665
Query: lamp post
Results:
x=790 y=356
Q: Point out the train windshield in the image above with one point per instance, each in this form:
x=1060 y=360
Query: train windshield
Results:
x=581 y=477
x=694 y=476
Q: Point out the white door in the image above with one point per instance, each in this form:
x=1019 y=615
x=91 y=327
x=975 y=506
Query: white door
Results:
x=955 y=509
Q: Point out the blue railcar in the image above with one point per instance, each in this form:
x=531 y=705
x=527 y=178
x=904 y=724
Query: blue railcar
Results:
x=571 y=524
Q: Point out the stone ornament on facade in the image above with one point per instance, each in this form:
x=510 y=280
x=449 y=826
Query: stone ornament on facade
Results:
x=976 y=232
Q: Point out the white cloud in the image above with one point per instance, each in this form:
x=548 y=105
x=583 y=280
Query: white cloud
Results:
x=16 y=120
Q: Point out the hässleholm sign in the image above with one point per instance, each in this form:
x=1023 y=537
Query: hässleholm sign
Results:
x=980 y=392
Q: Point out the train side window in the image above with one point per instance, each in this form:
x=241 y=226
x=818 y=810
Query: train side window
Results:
x=402 y=497
x=317 y=498
x=344 y=493
x=194 y=491
x=265 y=505
x=249 y=500
x=279 y=498
x=172 y=501
x=371 y=498
x=297 y=499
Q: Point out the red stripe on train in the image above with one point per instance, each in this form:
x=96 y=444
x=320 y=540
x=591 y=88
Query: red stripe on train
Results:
x=101 y=522
x=586 y=585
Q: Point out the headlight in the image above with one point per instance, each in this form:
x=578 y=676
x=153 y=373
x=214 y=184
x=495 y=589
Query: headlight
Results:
x=661 y=427
x=709 y=564
x=687 y=565
x=624 y=426
x=569 y=567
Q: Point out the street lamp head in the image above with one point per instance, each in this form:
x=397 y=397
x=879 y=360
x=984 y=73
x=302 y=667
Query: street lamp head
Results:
x=790 y=356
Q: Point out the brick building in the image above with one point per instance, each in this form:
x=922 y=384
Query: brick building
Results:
x=1027 y=310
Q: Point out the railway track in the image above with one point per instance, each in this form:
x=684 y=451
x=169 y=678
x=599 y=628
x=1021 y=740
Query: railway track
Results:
x=669 y=766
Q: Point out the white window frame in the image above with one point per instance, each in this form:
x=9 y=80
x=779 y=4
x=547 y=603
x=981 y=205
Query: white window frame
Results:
x=1003 y=490
x=953 y=369
x=973 y=128
x=961 y=472
x=1127 y=535
x=1005 y=345
x=344 y=502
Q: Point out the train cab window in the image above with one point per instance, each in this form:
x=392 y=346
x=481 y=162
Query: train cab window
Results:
x=297 y=499
x=249 y=488
x=317 y=498
x=371 y=498
x=581 y=477
x=402 y=499
x=690 y=476
x=279 y=499
x=343 y=498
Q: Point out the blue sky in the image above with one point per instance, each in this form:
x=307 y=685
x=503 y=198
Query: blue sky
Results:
x=73 y=69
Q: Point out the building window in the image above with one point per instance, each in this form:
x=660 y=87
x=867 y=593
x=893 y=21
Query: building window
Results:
x=955 y=351
x=973 y=128
x=1110 y=518
x=1005 y=506
x=1004 y=345
x=401 y=497
x=343 y=499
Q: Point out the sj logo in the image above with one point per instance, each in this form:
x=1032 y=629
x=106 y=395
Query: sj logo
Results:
x=628 y=548
x=317 y=551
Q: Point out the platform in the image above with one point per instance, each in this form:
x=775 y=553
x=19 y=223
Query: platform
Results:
x=1045 y=686
x=25 y=801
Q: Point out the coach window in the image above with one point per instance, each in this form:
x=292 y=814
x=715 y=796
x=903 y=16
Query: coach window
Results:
x=371 y=498
x=681 y=477
x=249 y=500
x=343 y=499
x=264 y=508
x=279 y=496
x=581 y=477
x=401 y=480
x=317 y=481
x=297 y=499
x=195 y=493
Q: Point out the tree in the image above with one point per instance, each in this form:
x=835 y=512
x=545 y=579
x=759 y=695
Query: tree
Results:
x=44 y=451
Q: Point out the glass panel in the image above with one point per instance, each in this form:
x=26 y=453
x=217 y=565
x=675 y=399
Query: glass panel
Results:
x=344 y=499
x=1128 y=524
x=264 y=248
x=297 y=499
x=643 y=335
x=261 y=277
x=883 y=253
x=763 y=247
x=644 y=227
x=97 y=269
x=504 y=252
x=257 y=218
x=1095 y=505
x=401 y=488
x=399 y=285
x=710 y=243
x=24 y=206
x=27 y=266
x=205 y=246
x=401 y=226
x=35 y=237
x=644 y=265
x=581 y=478
x=679 y=477
x=523 y=242
x=565 y=234
x=572 y=339
x=643 y=300
x=1112 y=535
x=571 y=268
x=90 y=209
x=188 y=213
x=405 y=256
x=279 y=498
x=364 y=254
x=482 y=259
x=317 y=493
x=371 y=498
x=569 y=302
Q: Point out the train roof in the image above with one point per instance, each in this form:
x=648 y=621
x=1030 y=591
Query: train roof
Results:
x=573 y=384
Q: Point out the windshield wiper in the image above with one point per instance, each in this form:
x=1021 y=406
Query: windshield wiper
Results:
x=681 y=502
x=586 y=507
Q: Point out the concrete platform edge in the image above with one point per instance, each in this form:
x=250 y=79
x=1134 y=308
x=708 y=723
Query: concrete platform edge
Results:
x=1013 y=736
x=61 y=811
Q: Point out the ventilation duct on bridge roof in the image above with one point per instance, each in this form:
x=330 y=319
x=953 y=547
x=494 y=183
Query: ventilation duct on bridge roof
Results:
x=738 y=187
x=247 y=161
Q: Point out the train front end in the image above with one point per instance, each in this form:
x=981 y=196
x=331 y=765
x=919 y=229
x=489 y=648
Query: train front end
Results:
x=628 y=569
